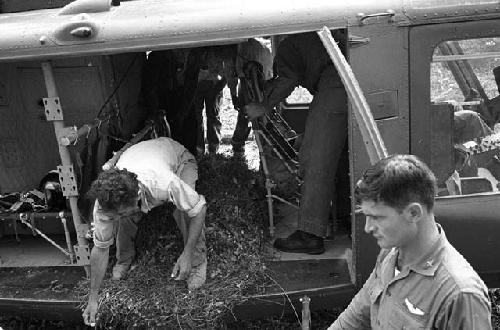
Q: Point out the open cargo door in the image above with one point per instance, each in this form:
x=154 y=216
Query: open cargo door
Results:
x=387 y=96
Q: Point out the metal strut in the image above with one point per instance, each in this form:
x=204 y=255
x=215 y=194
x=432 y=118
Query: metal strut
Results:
x=369 y=131
x=54 y=113
x=26 y=219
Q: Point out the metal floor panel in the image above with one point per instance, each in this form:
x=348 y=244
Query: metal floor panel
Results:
x=300 y=271
x=339 y=247
x=298 y=275
x=40 y=283
x=32 y=252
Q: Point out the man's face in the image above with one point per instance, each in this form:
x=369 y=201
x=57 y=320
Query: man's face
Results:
x=388 y=226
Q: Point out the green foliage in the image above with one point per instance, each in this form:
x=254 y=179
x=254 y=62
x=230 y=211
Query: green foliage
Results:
x=443 y=84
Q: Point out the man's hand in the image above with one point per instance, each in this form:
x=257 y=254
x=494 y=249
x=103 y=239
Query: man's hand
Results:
x=90 y=312
x=254 y=110
x=182 y=267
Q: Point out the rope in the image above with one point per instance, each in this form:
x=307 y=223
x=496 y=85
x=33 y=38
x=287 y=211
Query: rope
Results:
x=117 y=86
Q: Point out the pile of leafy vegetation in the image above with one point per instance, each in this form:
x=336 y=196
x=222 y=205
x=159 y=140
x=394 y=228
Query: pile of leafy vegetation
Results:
x=148 y=297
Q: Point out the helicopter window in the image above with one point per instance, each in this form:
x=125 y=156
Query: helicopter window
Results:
x=465 y=77
x=466 y=63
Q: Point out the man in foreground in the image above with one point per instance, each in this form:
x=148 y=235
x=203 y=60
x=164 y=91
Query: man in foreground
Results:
x=147 y=175
x=420 y=281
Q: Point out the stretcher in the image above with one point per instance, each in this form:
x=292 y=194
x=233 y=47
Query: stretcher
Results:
x=271 y=131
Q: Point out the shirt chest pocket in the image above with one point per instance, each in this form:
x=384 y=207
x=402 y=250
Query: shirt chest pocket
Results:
x=374 y=295
x=375 y=292
x=403 y=320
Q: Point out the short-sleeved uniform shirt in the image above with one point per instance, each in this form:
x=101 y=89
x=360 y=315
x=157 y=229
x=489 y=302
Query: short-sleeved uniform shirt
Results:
x=439 y=291
x=158 y=164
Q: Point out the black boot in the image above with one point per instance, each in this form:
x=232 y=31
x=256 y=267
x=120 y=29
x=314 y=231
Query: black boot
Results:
x=300 y=242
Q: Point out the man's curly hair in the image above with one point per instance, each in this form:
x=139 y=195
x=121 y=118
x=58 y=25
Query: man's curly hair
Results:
x=114 y=188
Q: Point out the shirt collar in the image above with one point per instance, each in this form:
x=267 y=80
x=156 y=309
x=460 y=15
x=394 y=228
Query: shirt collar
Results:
x=429 y=262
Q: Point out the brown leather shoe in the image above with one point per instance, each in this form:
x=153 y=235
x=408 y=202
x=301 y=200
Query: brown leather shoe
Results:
x=300 y=242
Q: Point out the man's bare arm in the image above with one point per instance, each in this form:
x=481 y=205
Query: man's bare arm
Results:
x=98 y=265
x=182 y=267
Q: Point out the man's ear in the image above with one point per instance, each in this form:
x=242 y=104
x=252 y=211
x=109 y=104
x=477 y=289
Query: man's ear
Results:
x=414 y=212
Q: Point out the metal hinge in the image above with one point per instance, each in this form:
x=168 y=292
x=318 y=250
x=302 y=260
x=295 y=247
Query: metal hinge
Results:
x=355 y=41
x=67 y=180
x=82 y=254
x=53 y=110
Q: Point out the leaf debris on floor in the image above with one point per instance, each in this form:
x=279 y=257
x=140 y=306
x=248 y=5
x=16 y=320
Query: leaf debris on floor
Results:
x=235 y=233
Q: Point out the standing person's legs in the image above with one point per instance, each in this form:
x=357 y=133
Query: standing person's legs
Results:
x=189 y=132
x=242 y=129
x=241 y=133
x=125 y=243
x=174 y=111
x=197 y=277
x=199 y=104
x=324 y=139
x=213 y=103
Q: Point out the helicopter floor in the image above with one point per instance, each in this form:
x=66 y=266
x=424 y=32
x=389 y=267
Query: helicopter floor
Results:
x=31 y=251
x=338 y=247
x=299 y=271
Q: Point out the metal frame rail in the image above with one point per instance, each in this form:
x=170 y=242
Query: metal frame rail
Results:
x=67 y=177
x=271 y=129
x=78 y=254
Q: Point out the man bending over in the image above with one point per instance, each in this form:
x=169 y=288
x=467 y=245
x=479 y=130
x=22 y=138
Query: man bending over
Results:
x=147 y=175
